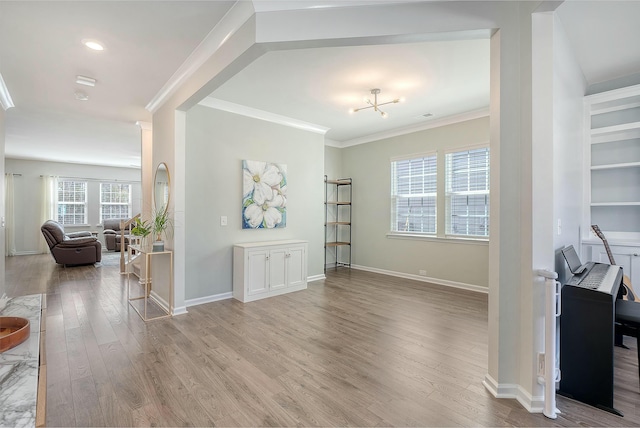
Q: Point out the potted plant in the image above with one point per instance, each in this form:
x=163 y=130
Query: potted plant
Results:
x=142 y=229
x=160 y=223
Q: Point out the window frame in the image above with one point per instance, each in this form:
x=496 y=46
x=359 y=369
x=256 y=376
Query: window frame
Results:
x=102 y=204
x=394 y=195
x=448 y=193
x=61 y=203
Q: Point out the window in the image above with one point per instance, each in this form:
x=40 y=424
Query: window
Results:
x=72 y=202
x=467 y=192
x=115 y=200
x=413 y=194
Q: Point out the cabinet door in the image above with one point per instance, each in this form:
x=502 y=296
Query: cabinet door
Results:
x=296 y=273
x=627 y=257
x=277 y=272
x=257 y=272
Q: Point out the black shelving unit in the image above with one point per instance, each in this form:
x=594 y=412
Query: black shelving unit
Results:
x=337 y=222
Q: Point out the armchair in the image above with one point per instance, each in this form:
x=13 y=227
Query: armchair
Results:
x=113 y=234
x=76 y=248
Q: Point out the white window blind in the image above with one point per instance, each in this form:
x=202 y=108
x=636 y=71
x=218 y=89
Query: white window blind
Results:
x=413 y=194
x=72 y=202
x=115 y=200
x=467 y=192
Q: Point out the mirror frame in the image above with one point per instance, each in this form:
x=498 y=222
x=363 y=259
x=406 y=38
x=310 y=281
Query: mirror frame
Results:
x=155 y=185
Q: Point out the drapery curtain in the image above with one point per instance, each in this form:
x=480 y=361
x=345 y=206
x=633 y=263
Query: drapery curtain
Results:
x=10 y=217
x=49 y=205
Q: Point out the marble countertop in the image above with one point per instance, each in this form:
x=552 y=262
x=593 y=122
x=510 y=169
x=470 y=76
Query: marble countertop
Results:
x=19 y=367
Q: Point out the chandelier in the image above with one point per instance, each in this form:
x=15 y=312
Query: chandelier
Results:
x=374 y=105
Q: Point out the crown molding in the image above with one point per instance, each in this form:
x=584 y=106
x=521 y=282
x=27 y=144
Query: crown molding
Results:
x=255 y=113
x=5 y=98
x=235 y=17
x=436 y=123
x=145 y=126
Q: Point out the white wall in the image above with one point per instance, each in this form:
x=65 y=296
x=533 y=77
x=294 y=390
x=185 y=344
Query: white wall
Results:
x=333 y=162
x=446 y=260
x=556 y=171
x=2 y=206
x=28 y=199
x=217 y=142
x=569 y=86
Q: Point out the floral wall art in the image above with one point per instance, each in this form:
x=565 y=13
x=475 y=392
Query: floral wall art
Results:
x=264 y=195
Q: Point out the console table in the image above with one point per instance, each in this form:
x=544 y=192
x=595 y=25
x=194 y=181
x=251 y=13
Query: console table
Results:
x=147 y=283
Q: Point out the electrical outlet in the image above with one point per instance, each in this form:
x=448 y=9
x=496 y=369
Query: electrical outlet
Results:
x=541 y=364
x=422 y=272
x=223 y=220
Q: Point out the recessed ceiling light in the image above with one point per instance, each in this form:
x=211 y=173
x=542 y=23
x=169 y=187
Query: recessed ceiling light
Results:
x=93 y=44
x=84 y=80
x=81 y=96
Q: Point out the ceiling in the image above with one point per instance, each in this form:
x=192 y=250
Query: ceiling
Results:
x=147 y=41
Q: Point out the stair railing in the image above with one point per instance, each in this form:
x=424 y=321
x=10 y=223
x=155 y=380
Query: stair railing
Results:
x=125 y=228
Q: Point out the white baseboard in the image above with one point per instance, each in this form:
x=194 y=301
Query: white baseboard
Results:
x=208 y=299
x=28 y=253
x=511 y=390
x=229 y=295
x=179 y=311
x=159 y=300
x=445 y=282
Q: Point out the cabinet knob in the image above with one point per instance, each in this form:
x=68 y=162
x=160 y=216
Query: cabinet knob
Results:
x=635 y=254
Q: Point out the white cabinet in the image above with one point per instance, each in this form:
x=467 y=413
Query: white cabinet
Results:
x=265 y=269
x=626 y=255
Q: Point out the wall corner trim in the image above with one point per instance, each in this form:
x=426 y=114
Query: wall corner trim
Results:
x=255 y=113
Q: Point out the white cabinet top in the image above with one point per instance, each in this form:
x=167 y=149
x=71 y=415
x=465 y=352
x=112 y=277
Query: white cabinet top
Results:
x=270 y=243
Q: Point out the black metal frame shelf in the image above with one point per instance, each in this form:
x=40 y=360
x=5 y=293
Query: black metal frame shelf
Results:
x=341 y=218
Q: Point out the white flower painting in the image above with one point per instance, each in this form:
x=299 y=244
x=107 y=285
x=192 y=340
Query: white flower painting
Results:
x=264 y=195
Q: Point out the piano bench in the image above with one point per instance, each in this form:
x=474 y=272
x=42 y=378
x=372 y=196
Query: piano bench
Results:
x=628 y=320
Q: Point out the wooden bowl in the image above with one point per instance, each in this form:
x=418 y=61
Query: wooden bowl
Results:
x=13 y=331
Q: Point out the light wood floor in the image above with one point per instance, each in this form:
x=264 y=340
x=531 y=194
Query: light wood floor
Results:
x=357 y=349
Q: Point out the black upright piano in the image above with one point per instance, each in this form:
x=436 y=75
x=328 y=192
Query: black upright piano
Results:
x=587 y=330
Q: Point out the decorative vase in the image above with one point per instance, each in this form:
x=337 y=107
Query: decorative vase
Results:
x=158 y=246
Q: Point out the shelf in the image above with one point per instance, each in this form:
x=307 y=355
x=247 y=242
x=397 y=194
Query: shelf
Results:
x=337 y=203
x=615 y=133
x=615 y=204
x=338 y=223
x=339 y=182
x=336 y=244
x=616 y=165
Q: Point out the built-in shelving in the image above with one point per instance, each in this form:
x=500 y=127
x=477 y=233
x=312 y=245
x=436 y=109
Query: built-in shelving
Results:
x=337 y=222
x=612 y=162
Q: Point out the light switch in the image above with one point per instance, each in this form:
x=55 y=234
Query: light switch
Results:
x=223 y=220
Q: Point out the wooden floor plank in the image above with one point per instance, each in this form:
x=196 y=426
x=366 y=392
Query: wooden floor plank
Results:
x=355 y=349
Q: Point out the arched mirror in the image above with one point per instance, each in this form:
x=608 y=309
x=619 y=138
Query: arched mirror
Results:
x=161 y=188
